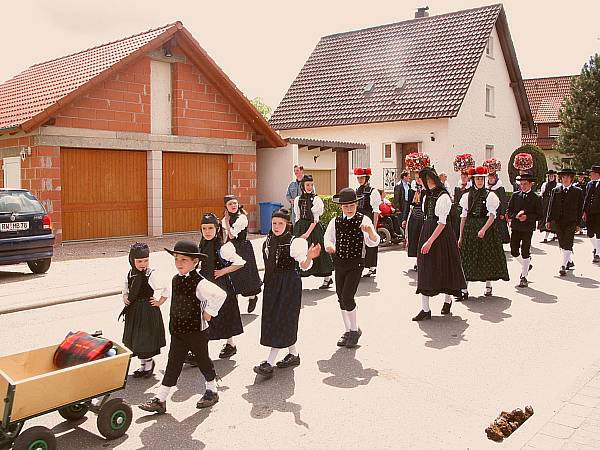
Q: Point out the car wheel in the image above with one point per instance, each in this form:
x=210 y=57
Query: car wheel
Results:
x=39 y=265
x=385 y=237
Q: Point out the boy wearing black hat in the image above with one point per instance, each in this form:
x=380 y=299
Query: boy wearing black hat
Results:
x=194 y=302
x=524 y=210
x=565 y=211
x=368 y=205
x=591 y=210
x=345 y=238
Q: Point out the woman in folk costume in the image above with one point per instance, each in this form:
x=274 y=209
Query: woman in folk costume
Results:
x=480 y=246
x=461 y=164
x=414 y=162
x=308 y=208
x=546 y=192
x=440 y=270
x=221 y=261
x=369 y=206
x=284 y=256
x=246 y=281
x=494 y=183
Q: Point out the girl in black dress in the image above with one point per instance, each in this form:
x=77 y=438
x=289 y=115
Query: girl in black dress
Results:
x=144 y=331
x=415 y=220
x=494 y=184
x=440 y=270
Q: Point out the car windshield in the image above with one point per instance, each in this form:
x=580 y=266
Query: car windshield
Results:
x=19 y=202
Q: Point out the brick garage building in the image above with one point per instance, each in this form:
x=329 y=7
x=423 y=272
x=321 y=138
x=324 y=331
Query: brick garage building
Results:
x=135 y=137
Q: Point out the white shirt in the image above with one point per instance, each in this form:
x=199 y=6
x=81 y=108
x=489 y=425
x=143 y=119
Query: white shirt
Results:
x=240 y=225
x=492 y=203
x=329 y=238
x=495 y=186
x=375 y=200
x=317 y=208
x=442 y=207
x=160 y=286
x=229 y=254
x=299 y=251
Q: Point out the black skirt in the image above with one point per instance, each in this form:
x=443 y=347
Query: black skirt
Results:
x=282 y=299
x=323 y=264
x=415 y=223
x=440 y=270
x=246 y=281
x=228 y=322
x=144 y=332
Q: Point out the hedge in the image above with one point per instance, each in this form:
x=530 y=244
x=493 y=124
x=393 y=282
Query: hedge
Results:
x=540 y=165
x=333 y=209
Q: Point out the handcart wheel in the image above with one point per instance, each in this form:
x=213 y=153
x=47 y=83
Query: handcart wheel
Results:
x=114 y=418
x=385 y=236
x=35 y=438
x=73 y=412
x=7 y=438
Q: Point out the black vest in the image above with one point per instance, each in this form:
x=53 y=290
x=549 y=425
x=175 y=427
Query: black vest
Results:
x=305 y=204
x=349 y=238
x=477 y=202
x=232 y=219
x=276 y=254
x=364 y=204
x=429 y=206
x=145 y=291
x=214 y=260
x=186 y=308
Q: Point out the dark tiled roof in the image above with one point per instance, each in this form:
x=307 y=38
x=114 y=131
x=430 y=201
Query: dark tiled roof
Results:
x=435 y=56
x=546 y=96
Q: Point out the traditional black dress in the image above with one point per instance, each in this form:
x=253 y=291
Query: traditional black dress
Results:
x=282 y=296
x=440 y=270
x=482 y=259
x=229 y=322
x=415 y=224
x=546 y=193
x=246 y=281
x=144 y=331
x=500 y=223
x=308 y=208
x=456 y=211
x=368 y=205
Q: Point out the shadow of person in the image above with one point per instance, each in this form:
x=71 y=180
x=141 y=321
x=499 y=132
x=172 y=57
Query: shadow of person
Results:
x=537 y=296
x=584 y=282
x=136 y=390
x=490 y=309
x=367 y=286
x=312 y=296
x=166 y=428
x=75 y=437
x=538 y=251
x=268 y=396
x=247 y=319
x=444 y=332
x=346 y=371
x=413 y=275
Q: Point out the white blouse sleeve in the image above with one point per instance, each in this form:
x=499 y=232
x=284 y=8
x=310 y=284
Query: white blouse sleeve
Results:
x=228 y=253
x=442 y=208
x=299 y=250
x=240 y=225
x=296 y=209
x=213 y=294
x=368 y=241
x=329 y=238
x=375 y=200
x=464 y=204
x=160 y=287
x=492 y=203
x=125 y=290
x=317 y=209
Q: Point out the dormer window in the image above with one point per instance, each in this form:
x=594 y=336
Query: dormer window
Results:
x=489 y=48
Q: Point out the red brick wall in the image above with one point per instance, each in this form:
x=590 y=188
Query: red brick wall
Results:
x=120 y=103
x=1 y=174
x=242 y=172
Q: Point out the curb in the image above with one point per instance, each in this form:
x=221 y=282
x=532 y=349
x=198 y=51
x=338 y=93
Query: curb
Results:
x=60 y=301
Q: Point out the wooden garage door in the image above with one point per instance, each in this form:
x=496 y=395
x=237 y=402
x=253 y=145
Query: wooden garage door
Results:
x=322 y=181
x=193 y=184
x=104 y=193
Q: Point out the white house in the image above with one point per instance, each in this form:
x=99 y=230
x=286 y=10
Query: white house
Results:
x=445 y=85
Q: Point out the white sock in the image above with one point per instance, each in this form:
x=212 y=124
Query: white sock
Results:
x=425 y=303
x=465 y=290
x=346 y=319
x=353 y=319
x=148 y=364
x=211 y=385
x=293 y=350
x=143 y=363
x=596 y=243
x=525 y=267
x=163 y=392
x=547 y=235
x=488 y=284
x=566 y=257
x=326 y=279
x=448 y=299
x=273 y=356
x=231 y=342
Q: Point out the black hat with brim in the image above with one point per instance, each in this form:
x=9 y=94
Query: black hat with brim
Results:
x=567 y=171
x=526 y=177
x=346 y=196
x=595 y=169
x=551 y=172
x=187 y=248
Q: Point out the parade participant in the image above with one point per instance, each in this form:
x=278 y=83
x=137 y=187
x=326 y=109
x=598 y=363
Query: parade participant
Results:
x=565 y=211
x=308 y=208
x=415 y=221
x=581 y=183
x=194 y=302
x=461 y=164
x=246 y=281
x=369 y=206
x=524 y=210
x=591 y=210
x=440 y=270
x=494 y=184
x=480 y=246
x=221 y=261
x=282 y=297
x=143 y=294
x=345 y=238
x=546 y=191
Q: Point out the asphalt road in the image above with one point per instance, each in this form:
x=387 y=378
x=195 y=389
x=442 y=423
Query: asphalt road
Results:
x=435 y=384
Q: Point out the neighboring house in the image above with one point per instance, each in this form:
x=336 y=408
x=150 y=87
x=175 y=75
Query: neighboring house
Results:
x=444 y=85
x=135 y=137
x=546 y=97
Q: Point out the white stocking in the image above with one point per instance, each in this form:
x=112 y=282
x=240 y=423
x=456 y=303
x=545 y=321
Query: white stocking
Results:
x=425 y=303
x=353 y=319
x=163 y=392
x=273 y=356
x=293 y=350
x=525 y=267
x=448 y=299
x=346 y=319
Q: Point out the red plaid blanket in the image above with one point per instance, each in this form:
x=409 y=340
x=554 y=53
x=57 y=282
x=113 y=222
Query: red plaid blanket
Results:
x=79 y=348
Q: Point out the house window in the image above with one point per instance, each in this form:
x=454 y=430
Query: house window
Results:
x=387 y=152
x=489 y=100
x=489 y=48
x=489 y=151
x=553 y=132
x=360 y=158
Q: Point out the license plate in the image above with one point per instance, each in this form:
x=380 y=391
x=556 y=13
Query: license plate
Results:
x=14 y=226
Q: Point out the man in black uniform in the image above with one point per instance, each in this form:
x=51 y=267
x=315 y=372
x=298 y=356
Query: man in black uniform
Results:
x=591 y=210
x=368 y=205
x=524 y=210
x=564 y=211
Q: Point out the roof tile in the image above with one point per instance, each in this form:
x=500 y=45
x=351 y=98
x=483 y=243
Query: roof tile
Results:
x=546 y=96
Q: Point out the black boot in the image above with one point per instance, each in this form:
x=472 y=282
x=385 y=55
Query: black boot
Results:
x=422 y=316
x=445 y=308
x=252 y=304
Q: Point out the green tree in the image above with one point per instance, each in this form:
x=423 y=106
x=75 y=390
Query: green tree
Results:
x=579 y=134
x=262 y=107
x=540 y=165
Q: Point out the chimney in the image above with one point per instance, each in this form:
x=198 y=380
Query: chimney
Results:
x=422 y=12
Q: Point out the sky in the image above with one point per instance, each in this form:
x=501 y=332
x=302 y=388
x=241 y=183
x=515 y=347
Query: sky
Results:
x=263 y=44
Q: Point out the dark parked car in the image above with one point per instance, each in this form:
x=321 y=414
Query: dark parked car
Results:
x=25 y=231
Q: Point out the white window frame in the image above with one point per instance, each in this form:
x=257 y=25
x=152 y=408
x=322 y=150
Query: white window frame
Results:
x=392 y=148
x=490 y=101
x=489 y=48
x=553 y=135
x=489 y=151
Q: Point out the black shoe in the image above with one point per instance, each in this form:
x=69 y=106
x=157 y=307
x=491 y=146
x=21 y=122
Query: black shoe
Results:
x=562 y=272
x=154 y=405
x=289 y=361
x=422 y=316
x=140 y=373
x=252 y=304
x=228 y=351
x=264 y=369
x=415 y=268
x=150 y=372
x=488 y=291
x=208 y=399
x=530 y=267
x=570 y=265
x=462 y=297
x=523 y=283
x=370 y=273
x=545 y=240
x=326 y=284
x=343 y=340
x=190 y=359
x=596 y=258
x=353 y=337
x=445 y=309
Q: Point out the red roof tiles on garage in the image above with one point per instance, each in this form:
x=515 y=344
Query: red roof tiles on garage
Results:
x=546 y=96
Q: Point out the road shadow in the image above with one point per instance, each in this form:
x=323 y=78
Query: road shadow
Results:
x=69 y=435
x=413 y=275
x=166 y=429
x=247 y=319
x=367 y=287
x=537 y=296
x=271 y=395
x=491 y=309
x=583 y=282
x=346 y=371
x=138 y=389
x=444 y=332
x=16 y=277
x=538 y=251
x=313 y=296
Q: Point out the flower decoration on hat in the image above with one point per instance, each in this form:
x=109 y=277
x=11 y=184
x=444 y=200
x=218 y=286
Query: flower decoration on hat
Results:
x=417 y=161
x=479 y=171
x=362 y=171
x=493 y=165
x=462 y=163
x=523 y=161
